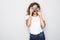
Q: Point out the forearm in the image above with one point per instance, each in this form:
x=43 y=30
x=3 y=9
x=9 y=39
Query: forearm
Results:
x=42 y=21
x=29 y=21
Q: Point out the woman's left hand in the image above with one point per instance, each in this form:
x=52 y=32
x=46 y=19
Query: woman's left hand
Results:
x=39 y=12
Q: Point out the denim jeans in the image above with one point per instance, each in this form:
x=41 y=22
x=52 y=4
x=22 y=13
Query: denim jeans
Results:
x=40 y=36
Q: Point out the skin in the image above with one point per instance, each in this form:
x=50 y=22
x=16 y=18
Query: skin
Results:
x=42 y=21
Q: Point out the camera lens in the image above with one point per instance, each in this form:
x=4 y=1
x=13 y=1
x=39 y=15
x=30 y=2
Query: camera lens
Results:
x=35 y=9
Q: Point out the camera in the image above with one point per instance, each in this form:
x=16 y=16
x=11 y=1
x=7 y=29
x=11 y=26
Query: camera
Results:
x=35 y=9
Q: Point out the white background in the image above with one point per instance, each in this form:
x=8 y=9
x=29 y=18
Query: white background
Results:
x=12 y=19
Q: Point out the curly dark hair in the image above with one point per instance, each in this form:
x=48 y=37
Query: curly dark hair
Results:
x=31 y=5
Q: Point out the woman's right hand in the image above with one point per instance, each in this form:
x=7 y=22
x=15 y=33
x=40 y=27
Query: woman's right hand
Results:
x=31 y=10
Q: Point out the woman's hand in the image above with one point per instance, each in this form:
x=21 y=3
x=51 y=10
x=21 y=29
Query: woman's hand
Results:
x=31 y=10
x=39 y=12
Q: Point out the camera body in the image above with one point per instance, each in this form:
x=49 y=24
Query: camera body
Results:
x=35 y=9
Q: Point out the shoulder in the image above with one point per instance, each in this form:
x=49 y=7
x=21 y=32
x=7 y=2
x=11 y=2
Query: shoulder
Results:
x=27 y=16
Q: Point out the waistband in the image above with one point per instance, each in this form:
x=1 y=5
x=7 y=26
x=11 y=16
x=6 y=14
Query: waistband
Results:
x=38 y=34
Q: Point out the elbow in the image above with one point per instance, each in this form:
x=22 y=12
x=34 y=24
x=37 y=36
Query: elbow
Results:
x=27 y=24
x=43 y=25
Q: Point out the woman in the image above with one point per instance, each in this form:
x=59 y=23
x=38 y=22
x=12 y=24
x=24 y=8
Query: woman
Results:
x=35 y=22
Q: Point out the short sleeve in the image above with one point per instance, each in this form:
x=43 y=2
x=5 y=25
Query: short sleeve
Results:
x=27 y=16
x=43 y=18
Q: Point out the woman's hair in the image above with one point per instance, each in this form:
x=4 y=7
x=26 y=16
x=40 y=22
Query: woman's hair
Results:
x=31 y=5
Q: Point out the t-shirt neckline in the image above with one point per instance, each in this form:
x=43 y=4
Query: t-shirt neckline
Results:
x=33 y=16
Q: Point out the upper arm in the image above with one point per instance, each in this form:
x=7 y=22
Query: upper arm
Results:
x=26 y=18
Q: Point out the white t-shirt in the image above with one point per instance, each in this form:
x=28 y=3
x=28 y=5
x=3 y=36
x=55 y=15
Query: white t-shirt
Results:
x=35 y=27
